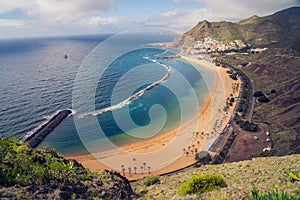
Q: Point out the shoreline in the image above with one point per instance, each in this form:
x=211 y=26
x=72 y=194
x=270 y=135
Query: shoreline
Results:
x=206 y=120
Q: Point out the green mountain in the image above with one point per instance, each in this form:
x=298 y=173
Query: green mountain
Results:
x=277 y=28
x=275 y=71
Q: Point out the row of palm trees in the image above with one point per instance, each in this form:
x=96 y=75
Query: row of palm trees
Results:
x=143 y=168
x=193 y=149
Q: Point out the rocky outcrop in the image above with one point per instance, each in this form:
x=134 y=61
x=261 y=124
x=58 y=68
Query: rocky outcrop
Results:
x=27 y=173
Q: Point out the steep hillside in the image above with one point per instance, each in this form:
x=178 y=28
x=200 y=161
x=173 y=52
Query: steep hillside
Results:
x=43 y=174
x=280 y=27
x=276 y=73
x=276 y=69
x=263 y=173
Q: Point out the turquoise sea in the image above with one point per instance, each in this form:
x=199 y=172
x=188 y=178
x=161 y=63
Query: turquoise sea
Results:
x=36 y=81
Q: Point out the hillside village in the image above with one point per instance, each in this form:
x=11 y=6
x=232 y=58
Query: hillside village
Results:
x=209 y=45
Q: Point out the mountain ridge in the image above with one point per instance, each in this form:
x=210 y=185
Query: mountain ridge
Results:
x=279 y=27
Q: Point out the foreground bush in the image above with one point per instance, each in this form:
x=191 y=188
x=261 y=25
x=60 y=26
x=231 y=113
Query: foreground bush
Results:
x=202 y=183
x=151 y=180
x=272 y=195
x=27 y=173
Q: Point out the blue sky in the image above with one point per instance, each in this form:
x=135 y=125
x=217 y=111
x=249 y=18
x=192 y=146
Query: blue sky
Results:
x=29 y=18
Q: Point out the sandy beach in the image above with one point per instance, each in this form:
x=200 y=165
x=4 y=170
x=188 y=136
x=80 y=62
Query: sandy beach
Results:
x=177 y=147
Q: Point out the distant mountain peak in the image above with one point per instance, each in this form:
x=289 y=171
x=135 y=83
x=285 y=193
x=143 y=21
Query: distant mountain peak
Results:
x=249 y=20
x=204 y=23
x=282 y=26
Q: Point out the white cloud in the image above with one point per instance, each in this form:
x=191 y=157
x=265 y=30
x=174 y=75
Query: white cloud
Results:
x=12 y=23
x=179 y=19
x=217 y=10
x=84 y=16
x=233 y=10
x=105 y=21
x=56 y=11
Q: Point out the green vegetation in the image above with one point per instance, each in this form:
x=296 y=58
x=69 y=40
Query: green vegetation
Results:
x=203 y=157
x=151 y=180
x=273 y=195
x=258 y=94
x=263 y=99
x=202 y=183
x=44 y=174
x=295 y=176
x=245 y=125
x=240 y=177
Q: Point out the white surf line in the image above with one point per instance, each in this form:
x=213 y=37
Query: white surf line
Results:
x=48 y=119
x=136 y=95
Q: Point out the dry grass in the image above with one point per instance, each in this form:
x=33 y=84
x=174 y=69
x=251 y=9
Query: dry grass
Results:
x=263 y=173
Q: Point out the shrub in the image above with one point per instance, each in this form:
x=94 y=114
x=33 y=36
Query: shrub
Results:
x=233 y=77
x=151 y=180
x=258 y=94
x=295 y=176
x=263 y=99
x=203 y=157
x=202 y=183
x=272 y=195
x=273 y=91
x=248 y=126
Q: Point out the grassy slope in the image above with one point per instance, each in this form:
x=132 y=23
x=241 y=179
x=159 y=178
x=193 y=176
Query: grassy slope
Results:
x=43 y=174
x=264 y=173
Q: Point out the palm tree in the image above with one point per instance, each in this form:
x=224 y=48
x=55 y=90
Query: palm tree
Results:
x=123 y=169
x=187 y=153
x=149 y=169
x=142 y=169
x=135 y=168
x=184 y=149
x=134 y=160
x=129 y=169
x=144 y=165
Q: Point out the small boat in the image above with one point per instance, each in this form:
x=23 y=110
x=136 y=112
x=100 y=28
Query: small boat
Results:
x=66 y=56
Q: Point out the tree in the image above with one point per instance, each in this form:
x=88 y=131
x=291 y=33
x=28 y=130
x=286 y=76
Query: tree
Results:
x=149 y=169
x=135 y=168
x=123 y=169
x=263 y=99
x=129 y=170
x=142 y=169
x=258 y=94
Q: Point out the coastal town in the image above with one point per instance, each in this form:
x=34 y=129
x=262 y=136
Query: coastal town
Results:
x=209 y=45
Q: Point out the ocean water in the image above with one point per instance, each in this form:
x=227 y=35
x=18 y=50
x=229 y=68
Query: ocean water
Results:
x=36 y=81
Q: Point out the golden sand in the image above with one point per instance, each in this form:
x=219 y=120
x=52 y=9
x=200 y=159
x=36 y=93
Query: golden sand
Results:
x=210 y=118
